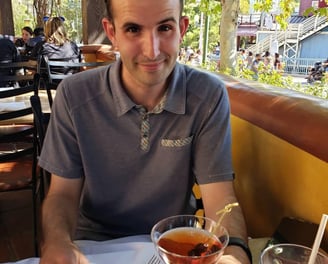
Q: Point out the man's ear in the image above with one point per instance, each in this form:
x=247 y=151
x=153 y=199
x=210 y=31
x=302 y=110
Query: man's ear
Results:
x=109 y=30
x=183 y=24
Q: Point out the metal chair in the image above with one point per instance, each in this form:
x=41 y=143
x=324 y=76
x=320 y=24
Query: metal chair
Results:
x=18 y=163
x=13 y=74
x=41 y=121
x=53 y=71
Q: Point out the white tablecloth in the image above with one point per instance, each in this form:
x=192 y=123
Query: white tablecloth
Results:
x=135 y=249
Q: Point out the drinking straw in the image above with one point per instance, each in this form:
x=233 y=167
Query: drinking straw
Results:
x=318 y=239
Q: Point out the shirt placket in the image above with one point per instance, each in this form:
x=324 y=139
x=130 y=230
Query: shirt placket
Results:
x=145 y=129
x=145 y=124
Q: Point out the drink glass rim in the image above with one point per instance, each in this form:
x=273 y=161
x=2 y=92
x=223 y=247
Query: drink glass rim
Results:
x=224 y=231
x=288 y=245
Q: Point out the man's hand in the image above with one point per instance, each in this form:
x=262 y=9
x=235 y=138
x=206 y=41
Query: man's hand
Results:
x=59 y=253
x=228 y=259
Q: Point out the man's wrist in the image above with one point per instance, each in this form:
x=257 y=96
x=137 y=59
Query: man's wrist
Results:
x=236 y=241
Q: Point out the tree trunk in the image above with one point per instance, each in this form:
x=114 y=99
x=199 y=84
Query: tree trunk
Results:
x=6 y=18
x=42 y=8
x=228 y=32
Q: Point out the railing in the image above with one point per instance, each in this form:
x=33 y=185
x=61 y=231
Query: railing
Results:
x=299 y=65
x=294 y=31
x=313 y=23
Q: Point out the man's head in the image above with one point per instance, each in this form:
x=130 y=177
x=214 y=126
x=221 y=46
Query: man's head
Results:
x=38 y=31
x=147 y=34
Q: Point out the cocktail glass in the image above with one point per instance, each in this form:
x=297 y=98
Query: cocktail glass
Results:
x=290 y=254
x=189 y=239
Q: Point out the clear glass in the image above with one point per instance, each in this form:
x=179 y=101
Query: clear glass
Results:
x=187 y=239
x=290 y=254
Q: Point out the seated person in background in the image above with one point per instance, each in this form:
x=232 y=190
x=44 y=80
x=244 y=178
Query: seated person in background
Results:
x=8 y=53
x=56 y=44
x=21 y=43
x=157 y=127
x=38 y=34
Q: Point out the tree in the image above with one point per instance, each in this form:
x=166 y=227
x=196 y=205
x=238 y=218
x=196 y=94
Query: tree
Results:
x=228 y=24
x=228 y=29
x=6 y=21
x=32 y=12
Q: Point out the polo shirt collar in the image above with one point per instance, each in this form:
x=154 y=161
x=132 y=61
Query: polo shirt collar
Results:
x=176 y=93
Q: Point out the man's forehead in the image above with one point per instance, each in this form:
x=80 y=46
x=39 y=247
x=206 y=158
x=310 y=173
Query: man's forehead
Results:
x=145 y=12
x=132 y=6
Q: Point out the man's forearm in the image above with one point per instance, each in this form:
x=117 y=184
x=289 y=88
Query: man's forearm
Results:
x=59 y=216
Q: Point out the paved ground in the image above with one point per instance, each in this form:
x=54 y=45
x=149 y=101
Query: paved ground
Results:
x=298 y=78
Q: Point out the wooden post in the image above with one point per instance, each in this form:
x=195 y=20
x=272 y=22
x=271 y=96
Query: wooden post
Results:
x=92 y=13
x=6 y=18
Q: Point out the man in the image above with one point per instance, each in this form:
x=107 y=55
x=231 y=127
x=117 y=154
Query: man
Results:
x=38 y=34
x=127 y=142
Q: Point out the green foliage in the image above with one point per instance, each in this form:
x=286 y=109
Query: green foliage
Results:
x=263 y=5
x=69 y=9
x=194 y=10
x=322 y=11
x=23 y=16
x=317 y=89
x=270 y=76
x=244 y=7
x=286 y=8
x=275 y=78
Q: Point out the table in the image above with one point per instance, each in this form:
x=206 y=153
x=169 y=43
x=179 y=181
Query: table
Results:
x=23 y=101
x=134 y=249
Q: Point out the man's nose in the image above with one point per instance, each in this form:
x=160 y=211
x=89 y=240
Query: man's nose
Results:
x=151 y=46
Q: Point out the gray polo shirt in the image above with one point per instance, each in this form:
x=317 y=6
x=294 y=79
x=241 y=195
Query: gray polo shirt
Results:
x=138 y=166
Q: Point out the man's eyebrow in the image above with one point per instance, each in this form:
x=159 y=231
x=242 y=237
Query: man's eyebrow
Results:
x=132 y=24
x=169 y=19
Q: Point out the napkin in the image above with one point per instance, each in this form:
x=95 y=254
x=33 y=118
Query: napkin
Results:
x=123 y=253
x=11 y=106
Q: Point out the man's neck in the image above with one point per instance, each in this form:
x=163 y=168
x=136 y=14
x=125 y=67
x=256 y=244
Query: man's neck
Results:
x=147 y=96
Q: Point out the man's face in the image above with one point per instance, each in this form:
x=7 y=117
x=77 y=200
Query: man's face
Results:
x=147 y=34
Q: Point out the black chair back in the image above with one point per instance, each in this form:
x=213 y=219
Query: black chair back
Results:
x=53 y=71
x=41 y=121
x=17 y=73
x=18 y=147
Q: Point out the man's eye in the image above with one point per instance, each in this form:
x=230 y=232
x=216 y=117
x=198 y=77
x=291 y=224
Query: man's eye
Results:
x=133 y=29
x=165 y=28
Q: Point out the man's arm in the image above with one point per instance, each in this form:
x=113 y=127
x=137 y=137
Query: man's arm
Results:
x=59 y=216
x=215 y=197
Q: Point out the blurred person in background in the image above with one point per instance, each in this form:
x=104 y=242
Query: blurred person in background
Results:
x=21 y=43
x=56 y=44
x=8 y=53
x=38 y=36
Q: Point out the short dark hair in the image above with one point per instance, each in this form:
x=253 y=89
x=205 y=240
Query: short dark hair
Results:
x=110 y=11
x=28 y=29
x=38 y=31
